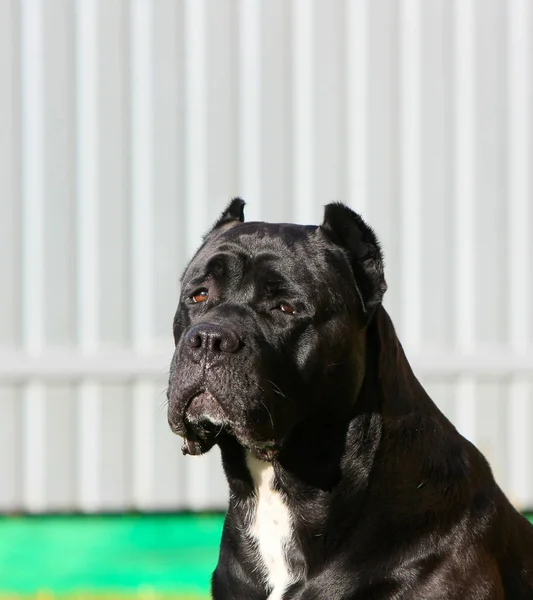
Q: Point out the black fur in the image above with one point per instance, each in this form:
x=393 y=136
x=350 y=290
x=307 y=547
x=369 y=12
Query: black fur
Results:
x=388 y=500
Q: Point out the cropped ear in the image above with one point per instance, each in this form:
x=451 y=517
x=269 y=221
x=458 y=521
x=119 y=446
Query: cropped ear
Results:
x=234 y=212
x=348 y=230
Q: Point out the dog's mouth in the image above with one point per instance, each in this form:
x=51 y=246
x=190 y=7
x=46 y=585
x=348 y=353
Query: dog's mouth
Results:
x=205 y=423
x=204 y=420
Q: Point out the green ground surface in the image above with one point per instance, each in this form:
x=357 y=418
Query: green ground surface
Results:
x=141 y=557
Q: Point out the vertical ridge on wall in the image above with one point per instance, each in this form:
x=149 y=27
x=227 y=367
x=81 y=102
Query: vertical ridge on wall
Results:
x=32 y=174
x=196 y=73
x=464 y=241
x=302 y=109
x=34 y=393
x=410 y=171
x=519 y=245
x=87 y=268
x=250 y=77
x=142 y=244
x=142 y=184
x=10 y=248
x=357 y=104
x=143 y=434
x=196 y=128
x=87 y=195
x=89 y=456
x=34 y=458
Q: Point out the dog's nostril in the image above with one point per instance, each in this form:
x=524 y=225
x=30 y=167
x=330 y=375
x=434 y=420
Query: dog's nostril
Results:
x=229 y=342
x=195 y=340
x=224 y=341
x=216 y=344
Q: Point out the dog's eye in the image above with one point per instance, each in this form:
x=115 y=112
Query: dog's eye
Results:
x=287 y=308
x=200 y=295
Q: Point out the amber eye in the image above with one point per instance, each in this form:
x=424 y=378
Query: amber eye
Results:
x=200 y=296
x=287 y=308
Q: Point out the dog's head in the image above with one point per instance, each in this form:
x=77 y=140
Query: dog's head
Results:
x=270 y=327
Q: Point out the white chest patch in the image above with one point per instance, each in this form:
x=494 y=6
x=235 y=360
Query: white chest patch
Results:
x=270 y=527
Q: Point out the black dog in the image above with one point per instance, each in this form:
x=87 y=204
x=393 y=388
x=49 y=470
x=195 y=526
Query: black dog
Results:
x=346 y=480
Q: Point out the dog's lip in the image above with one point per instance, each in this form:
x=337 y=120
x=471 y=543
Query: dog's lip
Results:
x=199 y=397
x=181 y=428
x=192 y=397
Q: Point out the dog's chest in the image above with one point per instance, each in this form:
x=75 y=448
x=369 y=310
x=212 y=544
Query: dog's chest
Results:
x=270 y=527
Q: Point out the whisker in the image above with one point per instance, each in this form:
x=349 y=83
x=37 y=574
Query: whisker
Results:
x=219 y=431
x=268 y=413
x=256 y=384
x=277 y=390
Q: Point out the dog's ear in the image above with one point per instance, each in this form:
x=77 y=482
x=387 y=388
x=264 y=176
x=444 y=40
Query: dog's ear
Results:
x=348 y=230
x=234 y=213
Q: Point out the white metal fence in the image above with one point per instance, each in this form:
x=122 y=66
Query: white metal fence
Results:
x=125 y=126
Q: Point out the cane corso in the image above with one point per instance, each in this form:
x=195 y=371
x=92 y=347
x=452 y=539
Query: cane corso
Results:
x=346 y=481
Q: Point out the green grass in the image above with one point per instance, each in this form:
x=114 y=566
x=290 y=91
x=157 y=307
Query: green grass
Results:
x=133 y=556
x=146 y=594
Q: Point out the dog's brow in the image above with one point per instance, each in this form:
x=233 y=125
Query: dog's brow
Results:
x=216 y=266
x=223 y=263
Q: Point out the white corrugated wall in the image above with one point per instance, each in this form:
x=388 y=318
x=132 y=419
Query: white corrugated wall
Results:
x=126 y=125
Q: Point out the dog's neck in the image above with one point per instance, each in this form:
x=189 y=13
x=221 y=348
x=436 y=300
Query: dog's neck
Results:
x=390 y=388
x=312 y=459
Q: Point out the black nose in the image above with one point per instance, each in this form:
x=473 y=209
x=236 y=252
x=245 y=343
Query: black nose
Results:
x=213 y=338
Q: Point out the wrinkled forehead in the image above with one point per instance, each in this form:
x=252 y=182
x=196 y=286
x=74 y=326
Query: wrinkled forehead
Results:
x=267 y=247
